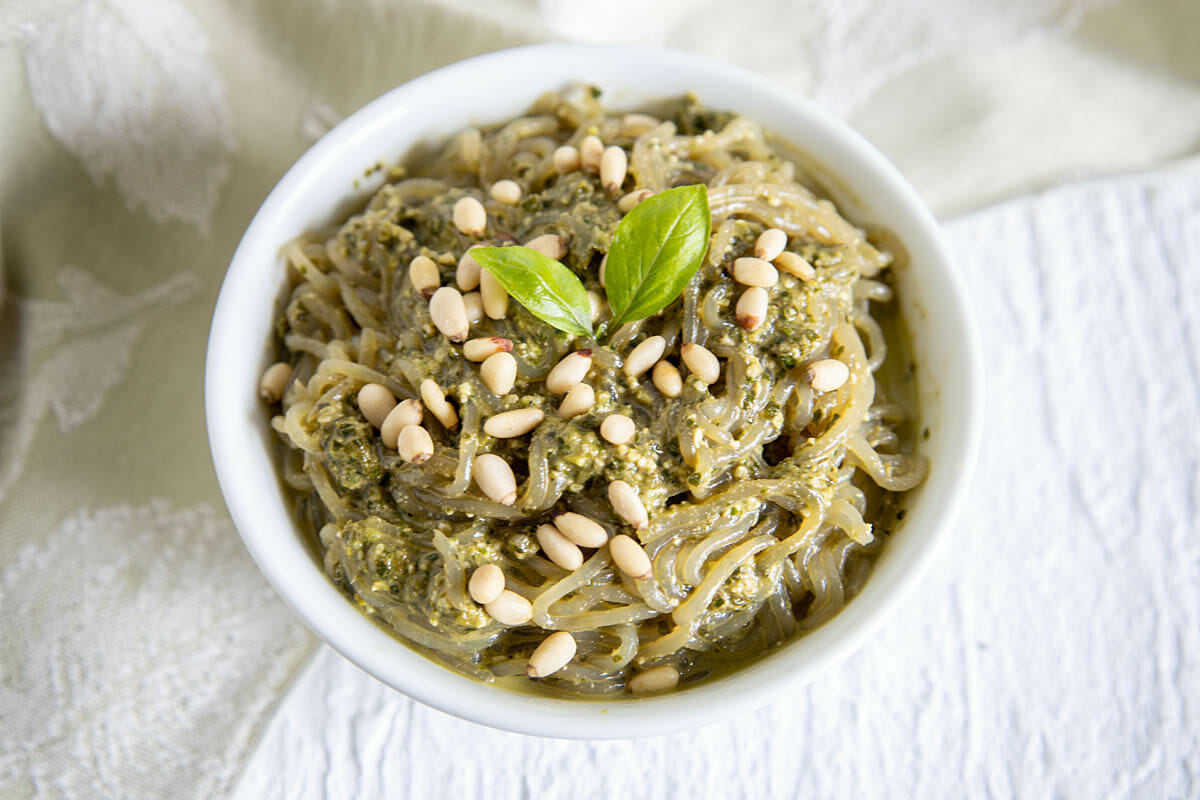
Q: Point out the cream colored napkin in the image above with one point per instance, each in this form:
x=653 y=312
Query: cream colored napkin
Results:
x=140 y=650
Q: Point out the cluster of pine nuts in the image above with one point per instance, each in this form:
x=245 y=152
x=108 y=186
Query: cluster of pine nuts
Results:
x=562 y=541
x=611 y=163
x=453 y=312
x=399 y=423
x=761 y=271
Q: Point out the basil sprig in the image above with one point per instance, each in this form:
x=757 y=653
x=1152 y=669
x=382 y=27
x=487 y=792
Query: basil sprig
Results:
x=656 y=249
x=550 y=291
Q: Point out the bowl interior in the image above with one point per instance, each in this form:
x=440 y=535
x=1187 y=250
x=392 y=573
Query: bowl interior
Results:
x=491 y=89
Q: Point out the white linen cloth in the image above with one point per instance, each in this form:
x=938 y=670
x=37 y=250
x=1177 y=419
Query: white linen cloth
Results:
x=140 y=651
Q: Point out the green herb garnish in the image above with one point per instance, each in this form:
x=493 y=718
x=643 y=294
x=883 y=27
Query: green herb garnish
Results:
x=550 y=291
x=656 y=249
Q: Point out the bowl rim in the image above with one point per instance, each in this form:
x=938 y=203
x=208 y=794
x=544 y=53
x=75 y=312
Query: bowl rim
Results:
x=341 y=625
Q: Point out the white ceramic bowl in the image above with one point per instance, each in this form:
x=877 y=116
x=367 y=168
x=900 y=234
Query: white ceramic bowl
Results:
x=493 y=88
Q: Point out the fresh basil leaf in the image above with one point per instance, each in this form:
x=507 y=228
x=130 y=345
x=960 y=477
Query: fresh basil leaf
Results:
x=551 y=292
x=656 y=249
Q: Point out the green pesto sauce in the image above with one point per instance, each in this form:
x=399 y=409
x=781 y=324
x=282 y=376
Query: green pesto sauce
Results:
x=387 y=557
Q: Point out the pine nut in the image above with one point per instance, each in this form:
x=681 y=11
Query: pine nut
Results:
x=274 y=381
x=591 y=150
x=480 y=349
x=555 y=651
x=629 y=556
x=662 y=678
x=495 y=478
x=467 y=146
x=435 y=400
x=752 y=308
x=566 y=159
x=617 y=429
x=375 y=402
x=470 y=216
x=794 y=264
x=583 y=531
x=614 y=165
x=449 y=313
x=579 y=400
x=499 y=373
x=473 y=302
x=423 y=274
x=603 y=266
x=634 y=125
x=410 y=412
x=466 y=275
x=627 y=203
x=511 y=424
x=558 y=548
x=596 y=302
x=827 y=375
x=406 y=412
x=550 y=245
x=486 y=583
x=625 y=501
x=510 y=608
x=506 y=192
x=572 y=369
x=701 y=362
x=770 y=244
x=755 y=272
x=643 y=357
x=414 y=444
x=493 y=294
x=667 y=379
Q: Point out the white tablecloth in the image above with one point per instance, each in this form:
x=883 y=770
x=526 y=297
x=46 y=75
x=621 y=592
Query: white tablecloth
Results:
x=1054 y=651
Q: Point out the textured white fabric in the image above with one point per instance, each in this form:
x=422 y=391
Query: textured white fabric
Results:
x=165 y=135
x=122 y=685
x=853 y=47
x=1053 y=652
x=140 y=650
x=974 y=101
